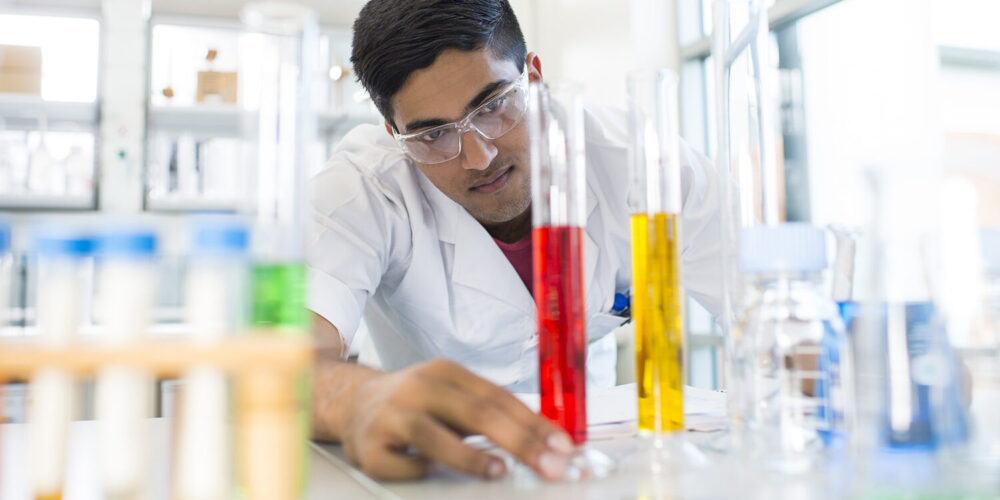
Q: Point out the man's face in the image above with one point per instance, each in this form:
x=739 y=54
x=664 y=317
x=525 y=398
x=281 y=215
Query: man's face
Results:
x=490 y=178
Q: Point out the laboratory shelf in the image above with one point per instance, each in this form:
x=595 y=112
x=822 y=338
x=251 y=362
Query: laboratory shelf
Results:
x=178 y=204
x=226 y=121
x=22 y=112
x=9 y=201
x=216 y=121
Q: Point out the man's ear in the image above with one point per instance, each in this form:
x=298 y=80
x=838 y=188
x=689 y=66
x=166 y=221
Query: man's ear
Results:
x=388 y=128
x=534 y=67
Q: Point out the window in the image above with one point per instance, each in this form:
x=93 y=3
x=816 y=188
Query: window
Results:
x=48 y=111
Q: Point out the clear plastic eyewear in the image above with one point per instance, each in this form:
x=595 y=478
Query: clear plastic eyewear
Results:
x=492 y=119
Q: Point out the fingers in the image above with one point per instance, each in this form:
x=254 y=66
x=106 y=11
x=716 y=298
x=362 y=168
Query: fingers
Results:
x=480 y=407
x=382 y=462
x=438 y=443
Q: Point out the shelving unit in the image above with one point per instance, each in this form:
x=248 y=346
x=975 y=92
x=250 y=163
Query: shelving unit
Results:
x=226 y=121
x=22 y=112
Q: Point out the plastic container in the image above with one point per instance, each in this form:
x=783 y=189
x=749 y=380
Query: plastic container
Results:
x=63 y=257
x=216 y=307
x=126 y=284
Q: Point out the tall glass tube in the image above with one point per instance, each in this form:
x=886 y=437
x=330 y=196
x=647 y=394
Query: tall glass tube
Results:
x=273 y=406
x=655 y=205
x=559 y=193
x=281 y=130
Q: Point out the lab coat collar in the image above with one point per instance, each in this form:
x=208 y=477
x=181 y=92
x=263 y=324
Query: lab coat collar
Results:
x=477 y=257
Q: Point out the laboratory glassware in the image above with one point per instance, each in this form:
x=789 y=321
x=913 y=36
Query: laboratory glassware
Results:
x=558 y=218
x=281 y=38
x=792 y=355
x=655 y=206
x=559 y=191
x=278 y=54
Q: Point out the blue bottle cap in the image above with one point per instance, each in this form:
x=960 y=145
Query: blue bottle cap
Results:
x=126 y=243
x=61 y=241
x=221 y=237
x=4 y=236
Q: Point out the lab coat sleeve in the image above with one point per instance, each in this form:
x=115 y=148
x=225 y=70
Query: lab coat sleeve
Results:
x=701 y=232
x=353 y=227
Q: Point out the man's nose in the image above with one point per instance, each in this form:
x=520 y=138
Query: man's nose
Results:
x=477 y=151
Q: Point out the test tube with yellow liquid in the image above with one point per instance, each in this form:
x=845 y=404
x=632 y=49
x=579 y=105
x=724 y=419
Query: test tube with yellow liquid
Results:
x=655 y=204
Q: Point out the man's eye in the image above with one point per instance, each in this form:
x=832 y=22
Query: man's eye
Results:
x=433 y=135
x=494 y=106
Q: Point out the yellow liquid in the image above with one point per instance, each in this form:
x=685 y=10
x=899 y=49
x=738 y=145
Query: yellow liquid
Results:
x=658 y=318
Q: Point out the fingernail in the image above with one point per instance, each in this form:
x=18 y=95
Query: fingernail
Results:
x=560 y=443
x=552 y=466
x=495 y=470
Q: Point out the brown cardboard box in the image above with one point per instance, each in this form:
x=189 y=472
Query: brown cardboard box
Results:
x=20 y=69
x=216 y=86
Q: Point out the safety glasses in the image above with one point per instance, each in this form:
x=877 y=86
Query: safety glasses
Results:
x=492 y=119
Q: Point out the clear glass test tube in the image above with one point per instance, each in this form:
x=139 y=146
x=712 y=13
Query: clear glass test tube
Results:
x=559 y=193
x=655 y=205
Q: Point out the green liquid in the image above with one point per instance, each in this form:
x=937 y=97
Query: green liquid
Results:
x=279 y=296
x=279 y=303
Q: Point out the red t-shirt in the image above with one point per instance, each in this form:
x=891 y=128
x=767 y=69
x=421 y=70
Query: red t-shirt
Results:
x=519 y=255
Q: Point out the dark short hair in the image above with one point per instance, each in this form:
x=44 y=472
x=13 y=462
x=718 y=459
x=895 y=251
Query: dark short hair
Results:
x=394 y=38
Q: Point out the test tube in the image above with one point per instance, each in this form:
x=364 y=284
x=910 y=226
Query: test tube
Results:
x=126 y=283
x=63 y=259
x=559 y=193
x=215 y=307
x=655 y=205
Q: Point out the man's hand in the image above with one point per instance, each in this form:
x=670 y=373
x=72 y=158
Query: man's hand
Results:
x=395 y=425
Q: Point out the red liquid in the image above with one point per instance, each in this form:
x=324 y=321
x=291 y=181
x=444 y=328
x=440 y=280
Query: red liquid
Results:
x=562 y=340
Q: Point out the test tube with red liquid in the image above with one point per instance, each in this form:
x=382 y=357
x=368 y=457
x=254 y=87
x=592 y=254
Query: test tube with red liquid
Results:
x=558 y=217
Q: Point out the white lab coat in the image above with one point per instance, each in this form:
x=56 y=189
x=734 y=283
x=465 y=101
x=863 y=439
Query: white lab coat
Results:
x=431 y=282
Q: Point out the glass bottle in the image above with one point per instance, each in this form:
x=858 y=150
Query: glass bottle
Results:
x=792 y=355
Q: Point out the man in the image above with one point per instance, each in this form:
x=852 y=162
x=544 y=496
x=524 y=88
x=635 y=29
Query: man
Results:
x=424 y=228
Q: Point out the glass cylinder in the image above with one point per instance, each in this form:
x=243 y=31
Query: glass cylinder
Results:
x=281 y=41
x=655 y=206
x=63 y=258
x=278 y=64
x=559 y=191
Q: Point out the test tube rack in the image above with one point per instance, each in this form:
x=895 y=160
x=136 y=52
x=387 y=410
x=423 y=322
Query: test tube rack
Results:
x=264 y=367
